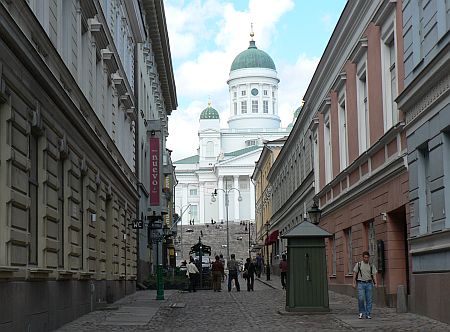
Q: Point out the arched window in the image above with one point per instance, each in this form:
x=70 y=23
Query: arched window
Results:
x=210 y=149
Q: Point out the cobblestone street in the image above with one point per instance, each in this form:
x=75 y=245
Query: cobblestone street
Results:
x=252 y=311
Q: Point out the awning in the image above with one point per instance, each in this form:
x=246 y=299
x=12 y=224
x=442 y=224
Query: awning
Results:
x=272 y=238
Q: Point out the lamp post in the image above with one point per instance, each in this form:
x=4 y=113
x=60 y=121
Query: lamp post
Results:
x=249 y=239
x=213 y=199
x=186 y=206
x=267 y=251
x=157 y=239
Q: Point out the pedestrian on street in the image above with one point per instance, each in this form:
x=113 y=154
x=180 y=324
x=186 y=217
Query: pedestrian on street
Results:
x=249 y=270
x=233 y=267
x=217 y=273
x=259 y=265
x=222 y=260
x=192 y=273
x=283 y=269
x=364 y=279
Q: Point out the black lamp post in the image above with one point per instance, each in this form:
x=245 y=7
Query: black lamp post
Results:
x=227 y=203
x=314 y=214
x=267 y=251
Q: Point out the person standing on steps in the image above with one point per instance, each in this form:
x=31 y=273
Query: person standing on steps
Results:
x=233 y=267
x=364 y=279
x=283 y=270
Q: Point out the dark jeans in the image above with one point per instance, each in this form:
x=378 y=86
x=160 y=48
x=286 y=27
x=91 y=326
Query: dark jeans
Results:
x=192 y=281
x=232 y=274
x=258 y=270
x=250 y=282
x=283 y=279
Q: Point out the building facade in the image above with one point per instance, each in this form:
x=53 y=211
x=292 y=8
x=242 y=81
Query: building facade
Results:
x=425 y=102
x=263 y=198
x=291 y=178
x=226 y=157
x=68 y=155
x=156 y=98
x=359 y=146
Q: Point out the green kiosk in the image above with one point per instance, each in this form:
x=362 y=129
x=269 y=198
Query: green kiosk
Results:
x=307 y=284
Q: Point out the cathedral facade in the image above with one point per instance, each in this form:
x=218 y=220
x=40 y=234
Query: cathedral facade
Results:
x=225 y=159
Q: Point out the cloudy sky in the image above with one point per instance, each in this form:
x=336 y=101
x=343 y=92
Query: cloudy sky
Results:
x=206 y=35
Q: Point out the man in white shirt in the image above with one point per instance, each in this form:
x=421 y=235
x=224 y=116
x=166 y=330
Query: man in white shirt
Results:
x=365 y=277
x=192 y=273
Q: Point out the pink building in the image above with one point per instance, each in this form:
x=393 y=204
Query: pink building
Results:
x=361 y=178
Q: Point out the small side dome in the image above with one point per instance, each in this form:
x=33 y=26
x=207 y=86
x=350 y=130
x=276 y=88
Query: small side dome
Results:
x=209 y=113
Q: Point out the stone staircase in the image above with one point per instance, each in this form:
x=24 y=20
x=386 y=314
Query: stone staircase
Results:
x=214 y=236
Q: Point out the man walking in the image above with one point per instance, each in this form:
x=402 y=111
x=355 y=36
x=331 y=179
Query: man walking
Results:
x=365 y=278
x=283 y=270
x=233 y=267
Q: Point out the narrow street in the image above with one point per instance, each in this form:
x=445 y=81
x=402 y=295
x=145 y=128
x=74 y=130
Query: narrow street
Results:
x=261 y=310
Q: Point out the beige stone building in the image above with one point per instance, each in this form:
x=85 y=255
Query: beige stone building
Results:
x=68 y=189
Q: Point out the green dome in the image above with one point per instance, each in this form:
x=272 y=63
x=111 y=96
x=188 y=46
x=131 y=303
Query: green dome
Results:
x=253 y=58
x=209 y=113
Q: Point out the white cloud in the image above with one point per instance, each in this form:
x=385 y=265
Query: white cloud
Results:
x=294 y=80
x=206 y=74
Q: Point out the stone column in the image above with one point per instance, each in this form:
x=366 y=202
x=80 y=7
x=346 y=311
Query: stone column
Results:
x=201 y=204
x=236 y=197
x=220 y=200
x=184 y=201
x=252 y=199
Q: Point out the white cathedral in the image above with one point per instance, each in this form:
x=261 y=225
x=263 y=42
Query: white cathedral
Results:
x=226 y=157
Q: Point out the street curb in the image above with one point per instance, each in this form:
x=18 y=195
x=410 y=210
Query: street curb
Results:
x=266 y=283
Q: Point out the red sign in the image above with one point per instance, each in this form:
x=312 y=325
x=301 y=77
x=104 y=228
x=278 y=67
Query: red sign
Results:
x=154 y=171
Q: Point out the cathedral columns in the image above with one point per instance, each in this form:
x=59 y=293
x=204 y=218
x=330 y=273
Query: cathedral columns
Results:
x=252 y=198
x=220 y=194
x=201 y=203
x=184 y=201
x=236 y=197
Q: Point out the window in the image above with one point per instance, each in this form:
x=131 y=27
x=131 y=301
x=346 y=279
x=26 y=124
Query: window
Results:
x=363 y=114
x=389 y=83
x=273 y=94
x=348 y=238
x=33 y=194
x=243 y=107
x=333 y=256
x=327 y=149
x=265 y=106
x=265 y=92
x=210 y=149
x=234 y=94
x=273 y=108
x=254 y=106
x=424 y=192
x=316 y=163
x=193 y=192
x=235 y=108
x=343 y=154
x=372 y=241
x=243 y=93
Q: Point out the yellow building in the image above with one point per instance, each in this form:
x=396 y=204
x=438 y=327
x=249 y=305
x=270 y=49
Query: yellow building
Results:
x=263 y=199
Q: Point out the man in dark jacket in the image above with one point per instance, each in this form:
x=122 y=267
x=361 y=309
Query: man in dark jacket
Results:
x=249 y=267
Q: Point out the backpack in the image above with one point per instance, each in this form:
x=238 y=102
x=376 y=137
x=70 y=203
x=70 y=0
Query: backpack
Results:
x=360 y=273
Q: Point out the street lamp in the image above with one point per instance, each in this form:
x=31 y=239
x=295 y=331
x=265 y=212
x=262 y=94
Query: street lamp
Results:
x=157 y=238
x=213 y=199
x=267 y=251
x=314 y=213
x=180 y=218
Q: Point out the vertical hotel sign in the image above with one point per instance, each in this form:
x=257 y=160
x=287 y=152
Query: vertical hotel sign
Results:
x=154 y=171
